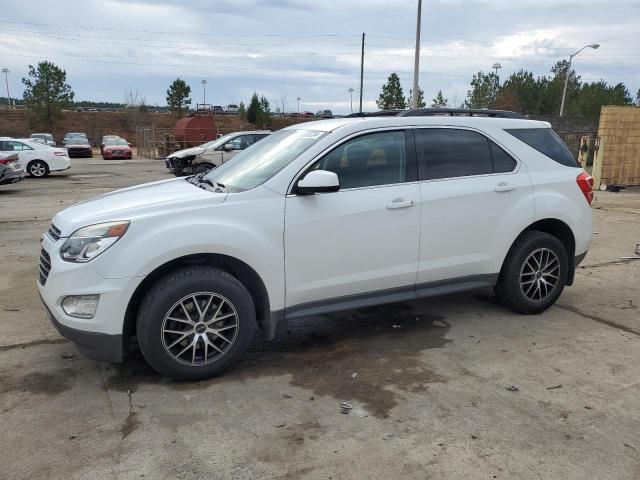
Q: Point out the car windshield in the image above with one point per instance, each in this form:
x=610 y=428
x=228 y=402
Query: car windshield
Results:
x=261 y=161
x=218 y=142
x=115 y=141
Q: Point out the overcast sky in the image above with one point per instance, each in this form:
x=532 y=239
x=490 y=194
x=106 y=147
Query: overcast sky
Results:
x=307 y=49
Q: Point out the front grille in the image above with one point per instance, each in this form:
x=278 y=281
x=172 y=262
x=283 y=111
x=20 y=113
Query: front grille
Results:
x=45 y=267
x=54 y=232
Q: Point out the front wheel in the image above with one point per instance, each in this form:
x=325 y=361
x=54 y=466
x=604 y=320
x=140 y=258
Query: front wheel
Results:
x=195 y=323
x=38 y=169
x=534 y=273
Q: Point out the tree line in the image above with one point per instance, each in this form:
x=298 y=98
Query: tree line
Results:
x=522 y=92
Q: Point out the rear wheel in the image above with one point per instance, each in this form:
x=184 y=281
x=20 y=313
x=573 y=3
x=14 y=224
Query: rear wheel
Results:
x=38 y=169
x=534 y=273
x=195 y=323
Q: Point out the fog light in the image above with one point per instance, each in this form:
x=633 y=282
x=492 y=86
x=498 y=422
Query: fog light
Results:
x=80 y=306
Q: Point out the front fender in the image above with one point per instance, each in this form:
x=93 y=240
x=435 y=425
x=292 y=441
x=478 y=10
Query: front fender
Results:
x=250 y=231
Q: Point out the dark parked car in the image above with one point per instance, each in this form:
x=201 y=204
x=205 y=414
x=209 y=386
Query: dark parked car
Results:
x=78 y=147
x=10 y=170
x=72 y=137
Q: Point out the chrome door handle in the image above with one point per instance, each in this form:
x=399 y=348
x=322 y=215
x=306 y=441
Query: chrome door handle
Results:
x=400 y=204
x=504 y=187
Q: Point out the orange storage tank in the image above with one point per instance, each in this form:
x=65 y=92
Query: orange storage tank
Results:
x=194 y=131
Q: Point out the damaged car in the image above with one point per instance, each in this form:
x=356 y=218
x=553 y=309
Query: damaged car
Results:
x=212 y=154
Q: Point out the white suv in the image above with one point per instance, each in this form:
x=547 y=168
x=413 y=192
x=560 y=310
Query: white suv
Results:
x=317 y=217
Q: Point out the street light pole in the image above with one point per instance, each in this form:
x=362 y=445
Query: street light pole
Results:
x=298 y=103
x=351 y=98
x=568 y=71
x=416 y=67
x=204 y=92
x=6 y=79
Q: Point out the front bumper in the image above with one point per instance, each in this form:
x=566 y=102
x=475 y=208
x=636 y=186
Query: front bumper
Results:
x=100 y=337
x=93 y=345
x=80 y=152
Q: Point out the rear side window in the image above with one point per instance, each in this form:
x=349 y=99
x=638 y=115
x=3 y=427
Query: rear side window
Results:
x=448 y=153
x=546 y=142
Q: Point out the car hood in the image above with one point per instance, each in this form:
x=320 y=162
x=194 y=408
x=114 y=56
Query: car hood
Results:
x=77 y=145
x=188 y=152
x=164 y=197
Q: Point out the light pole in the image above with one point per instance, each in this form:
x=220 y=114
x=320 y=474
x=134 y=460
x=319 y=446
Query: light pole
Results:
x=204 y=92
x=298 y=99
x=416 y=67
x=6 y=79
x=351 y=98
x=568 y=71
x=496 y=66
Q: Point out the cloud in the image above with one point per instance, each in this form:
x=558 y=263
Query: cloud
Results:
x=310 y=49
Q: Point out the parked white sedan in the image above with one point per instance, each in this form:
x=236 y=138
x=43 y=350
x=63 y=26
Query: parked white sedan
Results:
x=37 y=159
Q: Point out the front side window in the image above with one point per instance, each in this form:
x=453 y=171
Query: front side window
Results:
x=373 y=159
x=449 y=153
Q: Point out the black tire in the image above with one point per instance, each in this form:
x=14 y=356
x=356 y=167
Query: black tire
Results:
x=38 y=169
x=203 y=167
x=518 y=289
x=159 y=306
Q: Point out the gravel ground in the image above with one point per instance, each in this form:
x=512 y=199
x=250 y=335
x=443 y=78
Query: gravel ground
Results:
x=459 y=388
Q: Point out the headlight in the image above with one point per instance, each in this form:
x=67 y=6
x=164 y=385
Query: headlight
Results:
x=88 y=242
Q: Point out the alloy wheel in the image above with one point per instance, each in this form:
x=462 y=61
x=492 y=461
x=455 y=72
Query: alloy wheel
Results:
x=38 y=169
x=539 y=274
x=200 y=328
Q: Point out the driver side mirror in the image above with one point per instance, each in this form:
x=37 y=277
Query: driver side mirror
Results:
x=318 y=181
x=228 y=147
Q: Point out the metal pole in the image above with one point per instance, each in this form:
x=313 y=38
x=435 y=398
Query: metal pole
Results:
x=595 y=46
x=416 y=67
x=6 y=79
x=351 y=98
x=361 y=71
x=566 y=82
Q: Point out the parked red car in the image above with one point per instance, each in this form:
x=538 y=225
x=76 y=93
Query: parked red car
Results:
x=116 y=148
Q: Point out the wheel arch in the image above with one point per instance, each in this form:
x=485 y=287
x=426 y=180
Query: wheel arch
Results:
x=558 y=229
x=239 y=269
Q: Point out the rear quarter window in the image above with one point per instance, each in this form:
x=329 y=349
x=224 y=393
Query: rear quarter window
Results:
x=546 y=142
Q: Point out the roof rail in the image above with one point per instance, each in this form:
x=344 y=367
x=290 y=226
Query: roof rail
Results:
x=379 y=113
x=471 y=112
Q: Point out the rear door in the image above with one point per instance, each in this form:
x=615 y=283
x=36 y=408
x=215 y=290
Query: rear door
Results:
x=475 y=197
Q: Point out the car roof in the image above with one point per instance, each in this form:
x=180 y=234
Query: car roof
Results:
x=364 y=123
x=248 y=132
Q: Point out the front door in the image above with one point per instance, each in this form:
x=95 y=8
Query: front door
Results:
x=361 y=241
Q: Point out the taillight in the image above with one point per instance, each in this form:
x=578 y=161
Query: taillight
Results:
x=585 y=182
x=5 y=161
x=60 y=154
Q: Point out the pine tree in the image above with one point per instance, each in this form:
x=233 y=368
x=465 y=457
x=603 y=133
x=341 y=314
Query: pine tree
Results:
x=421 y=102
x=439 y=101
x=484 y=90
x=242 y=111
x=178 y=96
x=391 y=96
x=254 y=110
x=47 y=93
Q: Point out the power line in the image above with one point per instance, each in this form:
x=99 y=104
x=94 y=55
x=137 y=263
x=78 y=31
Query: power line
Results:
x=174 y=32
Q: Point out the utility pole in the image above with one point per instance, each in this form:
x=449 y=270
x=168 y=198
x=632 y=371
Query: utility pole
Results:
x=204 y=92
x=6 y=79
x=351 y=98
x=416 y=67
x=361 y=71
x=298 y=103
x=496 y=66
